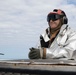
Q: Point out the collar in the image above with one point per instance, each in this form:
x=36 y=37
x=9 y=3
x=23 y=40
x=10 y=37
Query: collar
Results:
x=62 y=32
x=63 y=29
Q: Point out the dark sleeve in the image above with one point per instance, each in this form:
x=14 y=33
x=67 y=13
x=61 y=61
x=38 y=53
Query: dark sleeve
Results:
x=43 y=43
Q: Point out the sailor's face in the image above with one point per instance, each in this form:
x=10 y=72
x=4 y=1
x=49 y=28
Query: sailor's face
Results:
x=54 y=24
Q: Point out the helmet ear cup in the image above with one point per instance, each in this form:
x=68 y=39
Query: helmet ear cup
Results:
x=65 y=20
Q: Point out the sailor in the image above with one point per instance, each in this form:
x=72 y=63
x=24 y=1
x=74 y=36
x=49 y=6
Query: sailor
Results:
x=57 y=41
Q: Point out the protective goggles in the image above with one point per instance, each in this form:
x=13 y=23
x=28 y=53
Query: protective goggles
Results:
x=53 y=17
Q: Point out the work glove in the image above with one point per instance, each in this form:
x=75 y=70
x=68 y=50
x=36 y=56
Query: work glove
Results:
x=34 y=53
x=43 y=43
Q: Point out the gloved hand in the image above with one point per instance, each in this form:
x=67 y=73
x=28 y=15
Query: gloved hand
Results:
x=34 y=53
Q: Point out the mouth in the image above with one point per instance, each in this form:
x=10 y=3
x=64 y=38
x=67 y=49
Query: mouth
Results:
x=52 y=23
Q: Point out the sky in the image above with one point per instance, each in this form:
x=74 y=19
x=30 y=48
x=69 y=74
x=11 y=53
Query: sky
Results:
x=22 y=22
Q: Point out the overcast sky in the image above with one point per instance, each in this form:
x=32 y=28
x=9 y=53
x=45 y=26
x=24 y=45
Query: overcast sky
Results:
x=22 y=21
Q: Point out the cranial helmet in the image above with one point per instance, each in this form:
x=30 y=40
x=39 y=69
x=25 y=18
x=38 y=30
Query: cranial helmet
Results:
x=57 y=14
